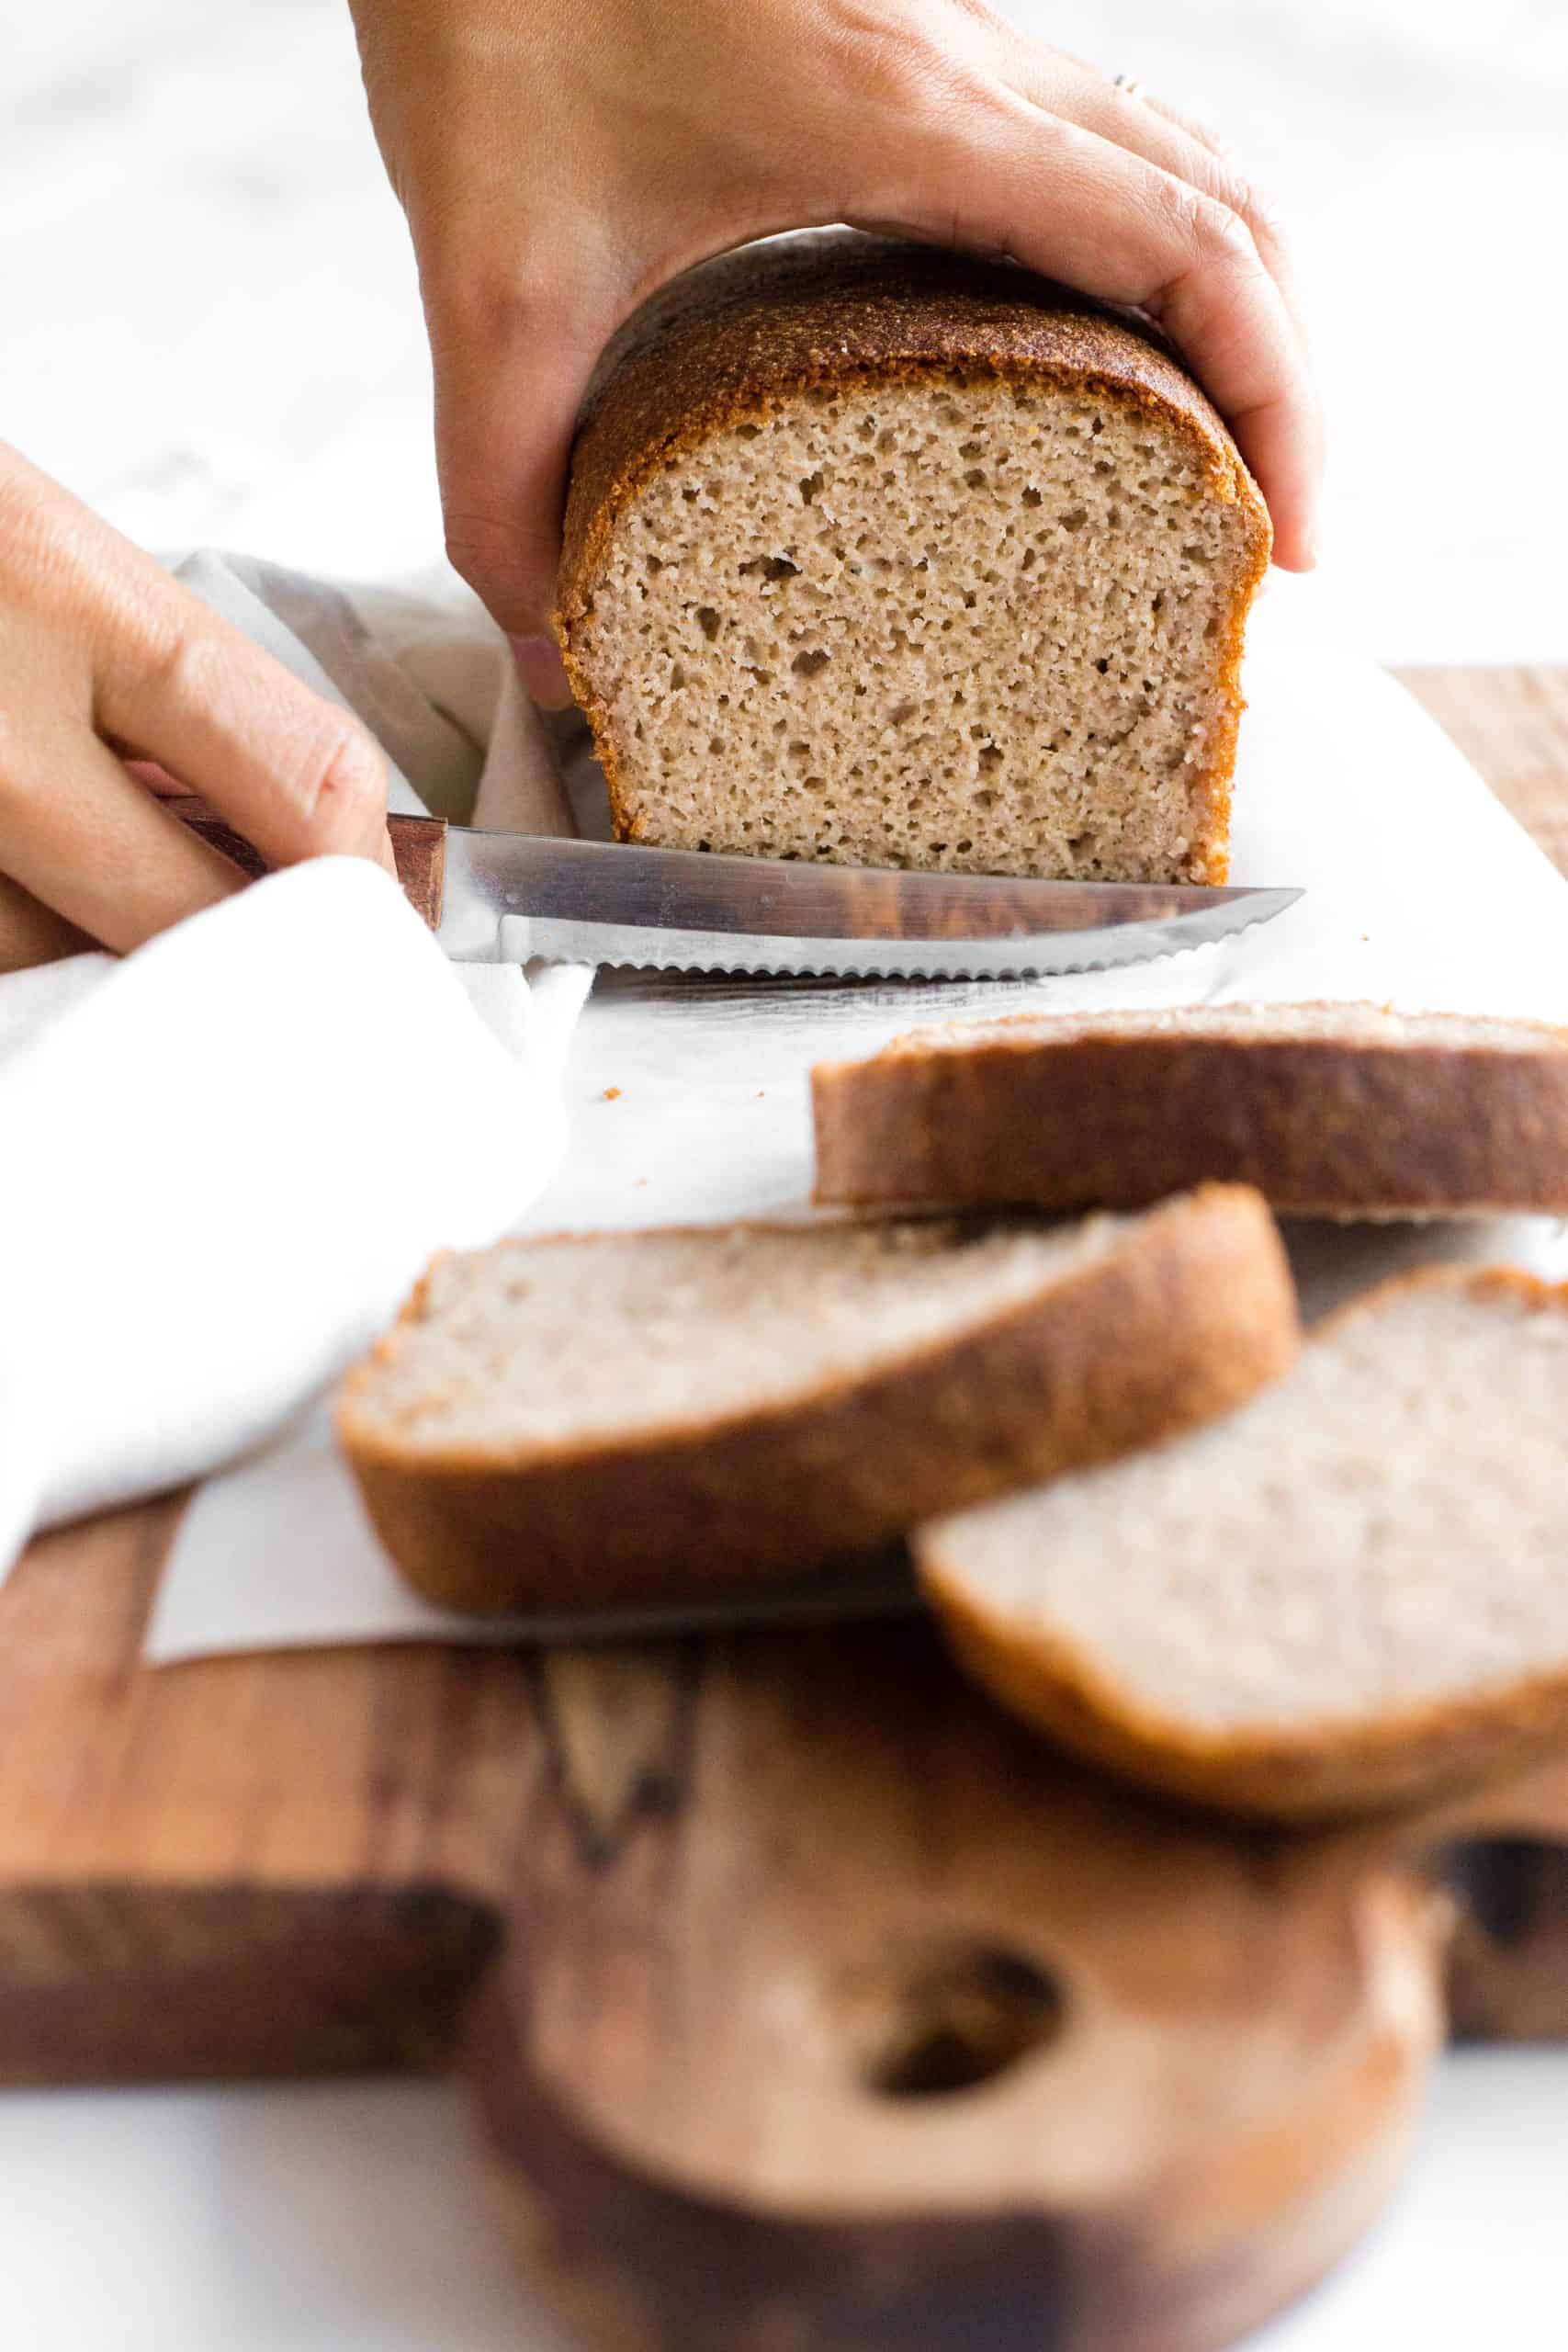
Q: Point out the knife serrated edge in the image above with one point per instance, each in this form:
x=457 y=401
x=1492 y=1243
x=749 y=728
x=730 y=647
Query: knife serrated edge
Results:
x=841 y=970
x=615 y=945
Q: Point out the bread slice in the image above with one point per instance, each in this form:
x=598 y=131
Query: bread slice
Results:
x=892 y=556
x=633 y=1416
x=1353 y=1590
x=1331 y=1110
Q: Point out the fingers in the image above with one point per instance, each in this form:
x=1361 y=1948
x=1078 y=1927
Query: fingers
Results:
x=1242 y=193
x=1143 y=126
x=97 y=642
x=33 y=933
x=1001 y=174
x=293 y=773
x=511 y=372
x=85 y=840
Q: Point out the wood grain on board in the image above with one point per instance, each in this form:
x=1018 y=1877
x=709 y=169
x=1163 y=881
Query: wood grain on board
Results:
x=1512 y=725
x=252 y=1865
x=874 y=2024
x=843 y=2010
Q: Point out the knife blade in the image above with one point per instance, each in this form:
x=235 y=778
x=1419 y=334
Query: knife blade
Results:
x=508 y=898
x=512 y=896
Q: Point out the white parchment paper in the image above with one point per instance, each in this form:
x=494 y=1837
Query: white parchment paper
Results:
x=688 y=1099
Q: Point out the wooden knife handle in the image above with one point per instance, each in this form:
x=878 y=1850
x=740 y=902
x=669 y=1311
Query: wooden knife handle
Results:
x=32 y=934
x=419 y=851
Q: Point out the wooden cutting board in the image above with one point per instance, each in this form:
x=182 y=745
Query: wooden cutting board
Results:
x=860 y=2022
x=837 y=2009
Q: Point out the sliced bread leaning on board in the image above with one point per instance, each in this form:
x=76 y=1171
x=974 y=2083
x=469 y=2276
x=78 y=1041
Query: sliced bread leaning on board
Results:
x=647 y=1416
x=1351 y=1591
x=1331 y=1110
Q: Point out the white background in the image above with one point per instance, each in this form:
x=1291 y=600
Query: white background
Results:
x=210 y=331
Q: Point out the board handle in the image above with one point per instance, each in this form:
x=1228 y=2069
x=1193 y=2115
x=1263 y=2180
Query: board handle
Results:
x=1499 y=1852
x=419 y=852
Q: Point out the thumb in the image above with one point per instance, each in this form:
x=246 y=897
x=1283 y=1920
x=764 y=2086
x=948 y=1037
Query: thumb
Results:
x=510 y=377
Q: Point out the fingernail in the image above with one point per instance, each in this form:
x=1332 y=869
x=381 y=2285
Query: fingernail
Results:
x=539 y=667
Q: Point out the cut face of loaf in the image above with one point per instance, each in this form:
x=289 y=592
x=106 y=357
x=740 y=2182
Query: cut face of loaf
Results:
x=1336 y=1109
x=1352 y=1591
x=635 y=1417
x=883 y=556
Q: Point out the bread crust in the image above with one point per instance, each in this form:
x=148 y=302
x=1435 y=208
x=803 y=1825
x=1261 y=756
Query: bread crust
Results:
x=1191 y=1312
x=1315 y=1772
x=1322 y=1126
x=758 y=329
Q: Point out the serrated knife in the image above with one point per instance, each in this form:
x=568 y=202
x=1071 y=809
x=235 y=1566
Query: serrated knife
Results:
x=507 y=898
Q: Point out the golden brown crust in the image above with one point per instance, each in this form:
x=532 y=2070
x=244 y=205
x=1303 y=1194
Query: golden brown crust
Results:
x=1186 y=1316
x=1322 y=1126
x=1306 y=1772
x=762 y=328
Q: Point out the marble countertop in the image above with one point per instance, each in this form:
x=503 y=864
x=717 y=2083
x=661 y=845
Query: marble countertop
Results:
x=211 y=332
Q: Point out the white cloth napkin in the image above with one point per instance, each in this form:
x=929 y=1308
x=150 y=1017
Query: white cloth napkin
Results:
x=227 y=1156
x=688 y=1098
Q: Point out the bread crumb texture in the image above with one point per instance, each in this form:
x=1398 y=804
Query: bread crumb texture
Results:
x=1384 y=1532
x=929 y=565
x=534 y=1342
x=968 y=627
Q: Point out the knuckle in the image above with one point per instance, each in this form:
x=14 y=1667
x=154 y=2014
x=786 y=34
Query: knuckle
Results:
x=1220 y=236
x=1228 y=183
x=488 y=554
x=345 y=779
x=481 y=302
x=1228 y=187
x=177 y=665
x=893 y=63
x=1257 y=207
x=477 y=547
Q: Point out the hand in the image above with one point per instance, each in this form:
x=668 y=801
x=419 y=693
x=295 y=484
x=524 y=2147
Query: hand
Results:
x=105 y=662
x=558 y=160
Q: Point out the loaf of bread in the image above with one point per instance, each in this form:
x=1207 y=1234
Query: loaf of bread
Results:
x=638 y=1417
x=1350 y=1592
x=1333 y=1110
x=878 y=554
